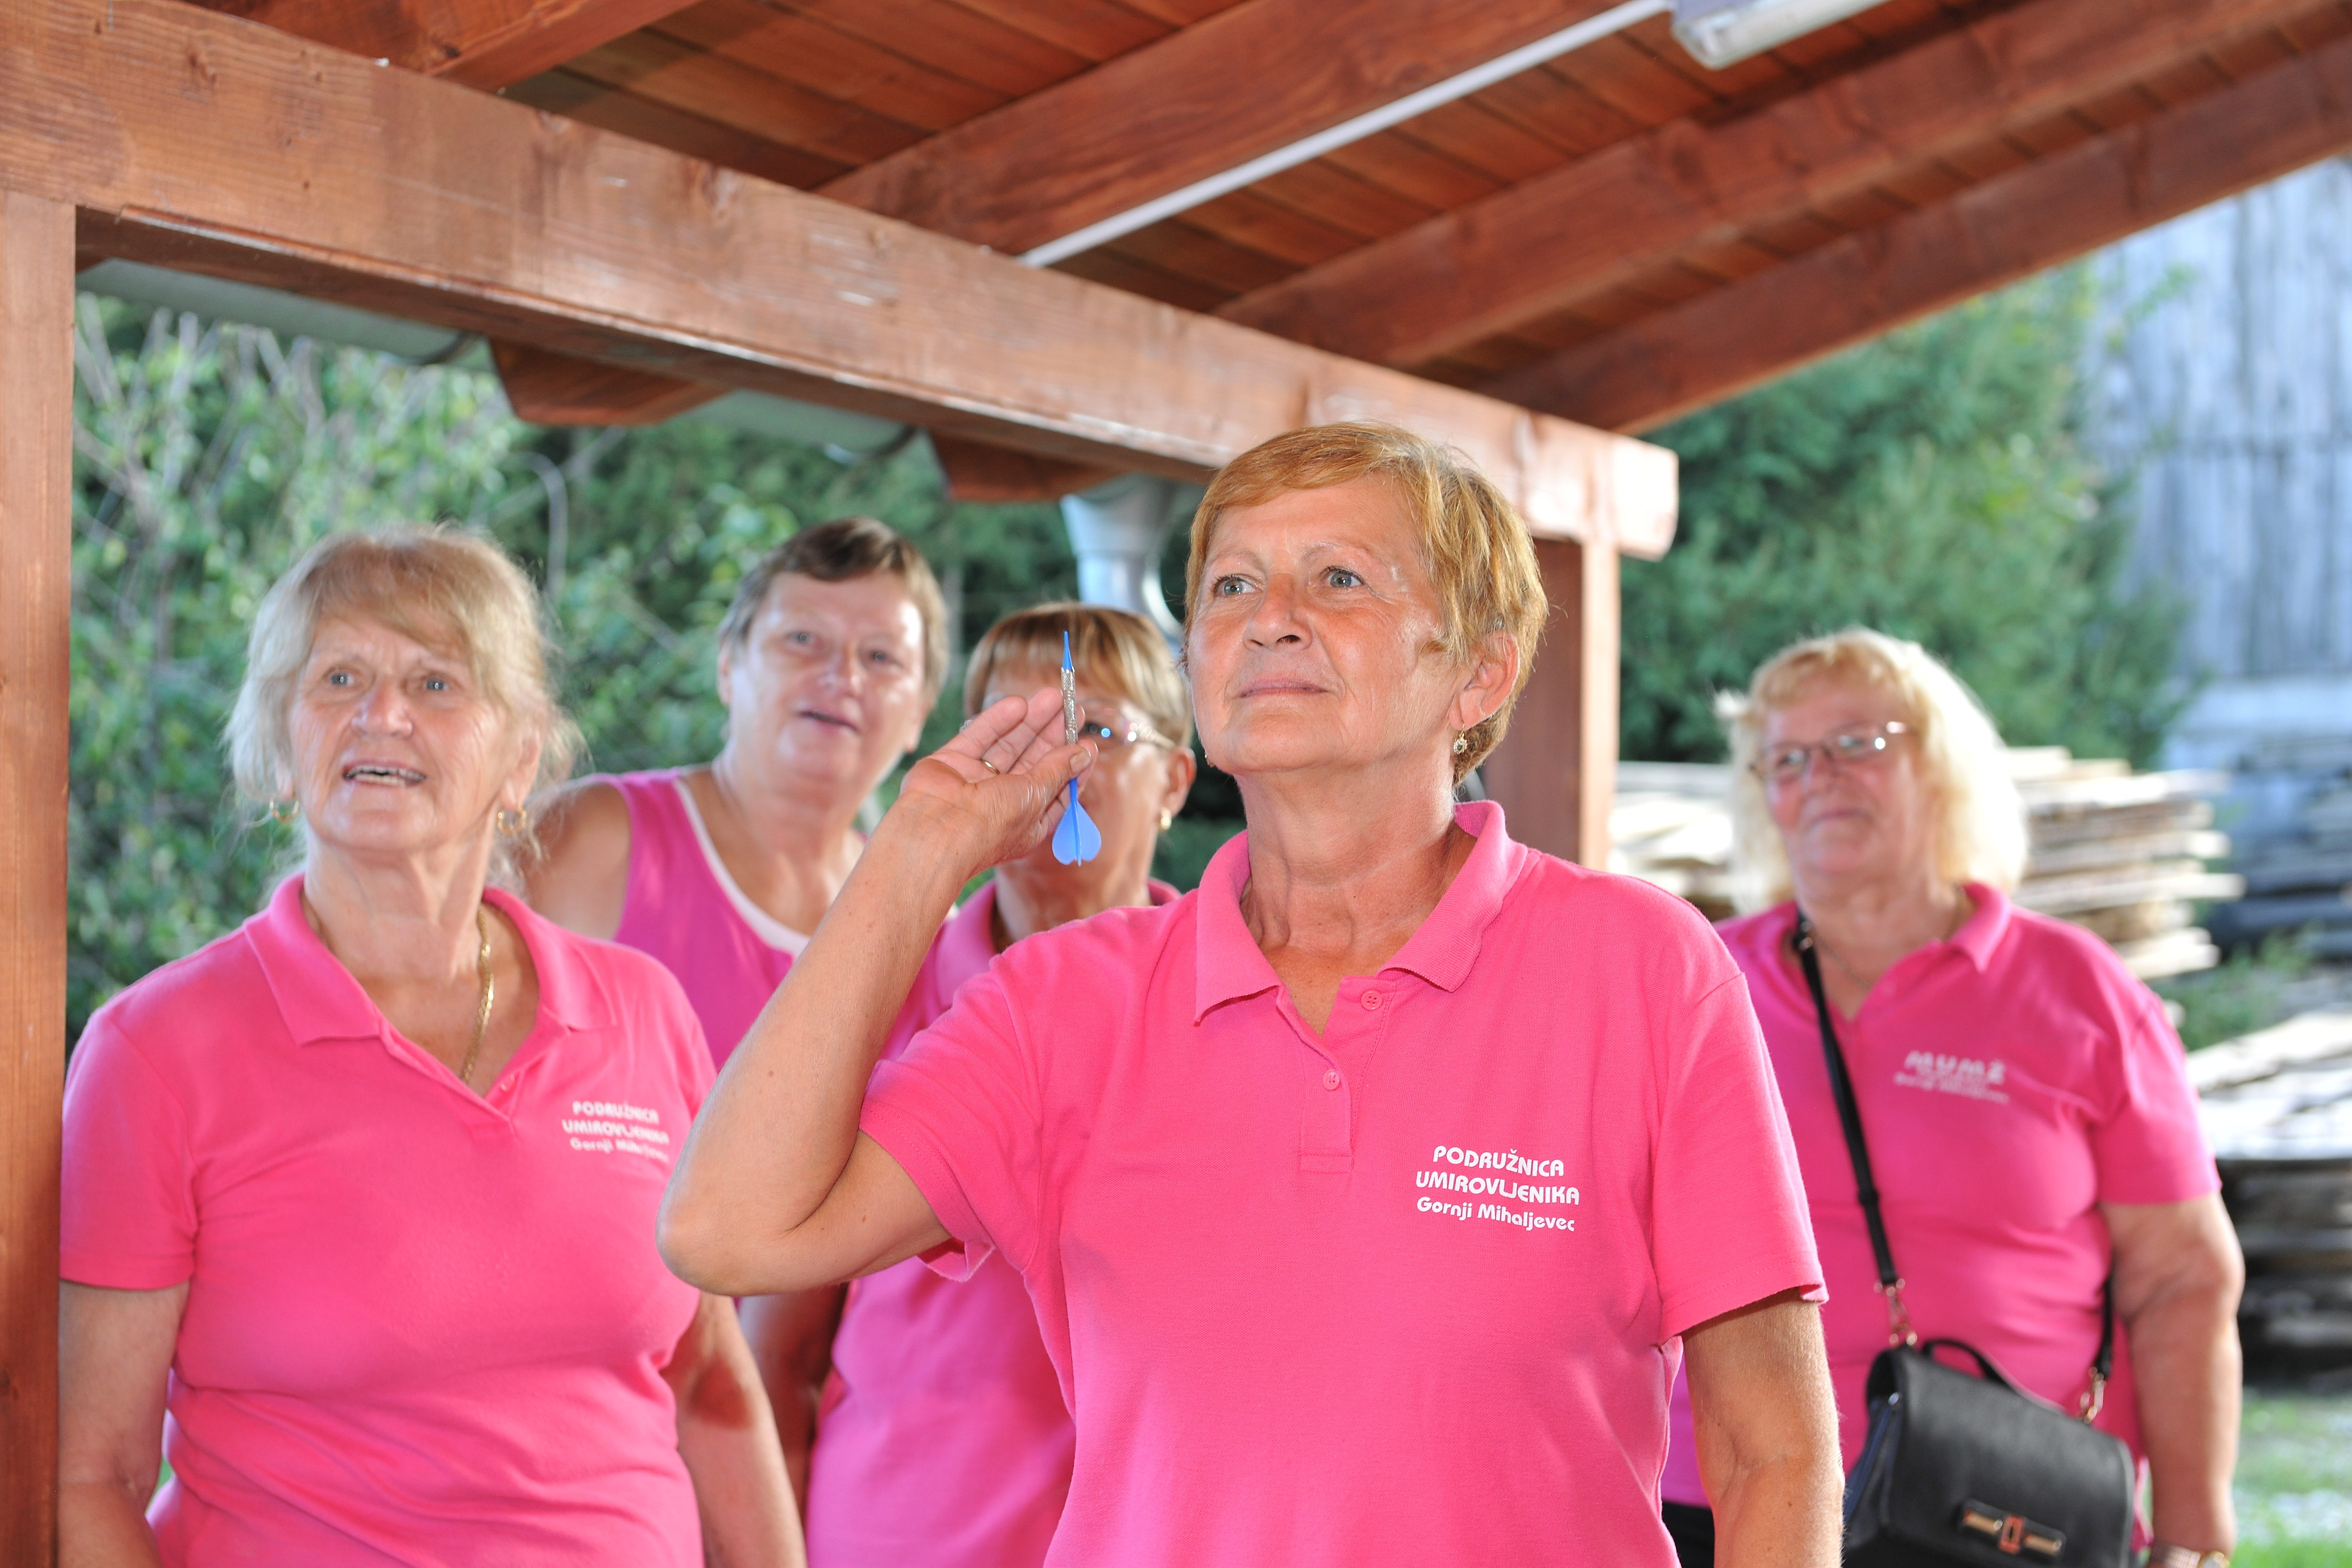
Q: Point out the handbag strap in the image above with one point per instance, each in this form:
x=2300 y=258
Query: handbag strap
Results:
x=1890 y=1283
x=1866 y=1186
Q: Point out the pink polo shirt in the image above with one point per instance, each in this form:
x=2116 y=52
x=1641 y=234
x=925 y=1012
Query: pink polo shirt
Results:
x=2010 y=1080
x=943 y=1441
x=1405 y=1292
x=422 y=1326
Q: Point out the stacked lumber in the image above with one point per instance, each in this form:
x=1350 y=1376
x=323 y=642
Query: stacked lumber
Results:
x=2297 y=881
x=2277 y=1106
x=2121 y=854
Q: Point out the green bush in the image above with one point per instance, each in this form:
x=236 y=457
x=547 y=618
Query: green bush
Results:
x=1933 y=485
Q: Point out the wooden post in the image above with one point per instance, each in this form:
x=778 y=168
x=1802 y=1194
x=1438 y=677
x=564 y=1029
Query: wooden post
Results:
x=37 y=301
x=1556 y=771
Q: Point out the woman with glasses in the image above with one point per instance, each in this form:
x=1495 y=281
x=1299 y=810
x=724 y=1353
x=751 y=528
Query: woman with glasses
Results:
x=943 y=1438
x=2030 y=1125
x=1367 y=1197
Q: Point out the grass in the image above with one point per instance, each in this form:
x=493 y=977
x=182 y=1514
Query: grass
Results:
x=2295 y=1481
x=2249 y=990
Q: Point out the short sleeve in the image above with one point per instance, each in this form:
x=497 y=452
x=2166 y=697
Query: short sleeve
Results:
x=1728 y=1221
x=128 y=1208
x=960 y=1112
x=2149 y=1145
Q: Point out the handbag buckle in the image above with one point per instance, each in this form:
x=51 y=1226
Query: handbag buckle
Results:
x=1899 y=1330
x=2094 y=1399
x=2011 y=1532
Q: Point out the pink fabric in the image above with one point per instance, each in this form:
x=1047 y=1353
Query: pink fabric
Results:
x=944 y=1442
x=422 y=1326
x=676 y=910
x=1405 y=1292
x=2010 y=1080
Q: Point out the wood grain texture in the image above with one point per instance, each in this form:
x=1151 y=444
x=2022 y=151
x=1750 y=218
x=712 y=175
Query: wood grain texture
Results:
x=1555 y=774
x=196 y=141
x=547 y=388
x=1549 y=243
x=36 y=269
x=974 y=472
x=1247 y=80
x=2036 y=217
x=482 y=43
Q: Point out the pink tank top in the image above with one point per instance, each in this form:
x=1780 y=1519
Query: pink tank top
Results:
x=942 y=1441
x=683 y=908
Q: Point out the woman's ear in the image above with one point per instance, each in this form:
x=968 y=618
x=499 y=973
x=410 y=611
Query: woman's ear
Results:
x=1181 y=770
x=1493 y=675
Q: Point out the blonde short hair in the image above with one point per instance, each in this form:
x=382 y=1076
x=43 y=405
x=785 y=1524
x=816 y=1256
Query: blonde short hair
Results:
x=448 y=590
x=1980 y=819
x=1473 y=543
x=1120 y=652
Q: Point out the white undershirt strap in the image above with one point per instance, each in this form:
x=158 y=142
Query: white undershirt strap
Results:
x=764 y=926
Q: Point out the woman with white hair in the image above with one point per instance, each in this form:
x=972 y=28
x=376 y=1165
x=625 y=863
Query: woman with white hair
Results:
x=2028 y=1119
x=359 y=1200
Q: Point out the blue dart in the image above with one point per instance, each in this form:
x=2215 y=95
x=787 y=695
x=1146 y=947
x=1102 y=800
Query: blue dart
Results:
x=1077 y=839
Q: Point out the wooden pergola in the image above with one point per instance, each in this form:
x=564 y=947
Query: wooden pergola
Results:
x=965 y=216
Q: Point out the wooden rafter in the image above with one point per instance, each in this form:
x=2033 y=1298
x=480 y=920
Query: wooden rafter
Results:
x=1548 y=243
x=2270 y=124
x=1206 y=98
x=549 y=388
x=482 y=43
x=193 y=140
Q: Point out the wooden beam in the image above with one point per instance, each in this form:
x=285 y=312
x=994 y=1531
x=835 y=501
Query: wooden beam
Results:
x=548 y=388
x=483 y=42
x=1548 y=243
x=1556 y=771
x=1208 y=97
x=36 y=302
x=196 y=140
x=974 y=472
x=2269 y=124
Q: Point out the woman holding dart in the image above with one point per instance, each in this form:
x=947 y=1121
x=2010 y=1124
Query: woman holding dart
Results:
x=943 y=1438
x=1368 y=1196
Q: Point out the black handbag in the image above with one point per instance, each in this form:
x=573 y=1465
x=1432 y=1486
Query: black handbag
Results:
x=1965 y=1468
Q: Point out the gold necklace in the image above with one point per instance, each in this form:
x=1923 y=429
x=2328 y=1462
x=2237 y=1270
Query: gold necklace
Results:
x=489 y=994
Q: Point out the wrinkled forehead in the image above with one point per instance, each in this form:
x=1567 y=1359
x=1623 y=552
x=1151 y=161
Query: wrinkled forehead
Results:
x=874 y=602
x=1367 y=512
x=389 y=625
x=1830 y=700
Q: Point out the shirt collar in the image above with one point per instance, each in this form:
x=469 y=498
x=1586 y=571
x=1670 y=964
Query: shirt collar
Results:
x=1979 y=937
x=319 y=1000
x=1231 y=966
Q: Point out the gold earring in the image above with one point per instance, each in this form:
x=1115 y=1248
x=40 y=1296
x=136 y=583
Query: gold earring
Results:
x=283 y=812
x=511 y=822
x=1462 y=742
x=1167 y=820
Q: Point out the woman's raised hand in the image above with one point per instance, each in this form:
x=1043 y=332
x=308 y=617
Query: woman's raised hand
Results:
x=996 y=789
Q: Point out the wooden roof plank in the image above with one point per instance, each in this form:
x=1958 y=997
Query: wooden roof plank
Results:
x=1190 y=106
x=191 y=140
x=824 y=60
x=482 y=43
x=592 y=103
x=1094 y=30
x=663 y=71
x=1540 y=245
x=2036 y=217
x=1273 y=228
x=1396 y=161
x=947 y=37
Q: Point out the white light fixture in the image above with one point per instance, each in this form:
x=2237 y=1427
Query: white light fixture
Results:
x=1719 y=33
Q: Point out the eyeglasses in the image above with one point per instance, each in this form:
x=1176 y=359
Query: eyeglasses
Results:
x=1115 y=729
x=1856 y=747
